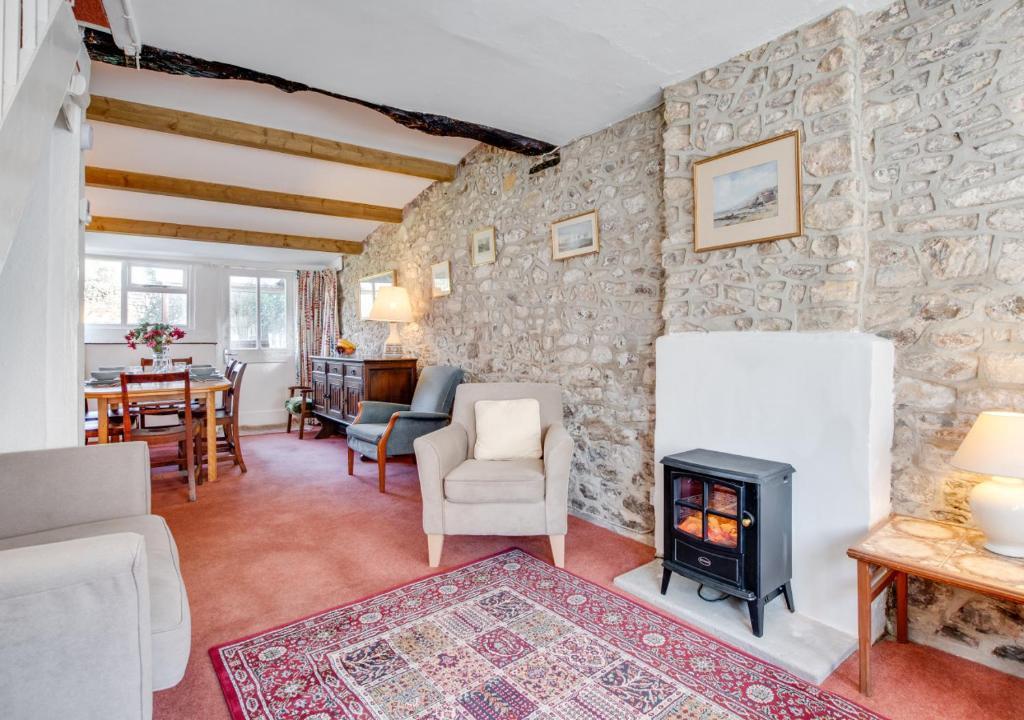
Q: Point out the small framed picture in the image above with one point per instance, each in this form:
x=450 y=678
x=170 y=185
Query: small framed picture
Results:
x=441 y=279
x=369 y=286
x=576 y=235
x=748 y=195
x=482 y=247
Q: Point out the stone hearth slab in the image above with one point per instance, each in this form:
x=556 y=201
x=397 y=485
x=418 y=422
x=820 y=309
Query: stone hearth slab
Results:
x=805 y=647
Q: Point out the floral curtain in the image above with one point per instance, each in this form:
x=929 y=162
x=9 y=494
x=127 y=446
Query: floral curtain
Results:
x=317 y=292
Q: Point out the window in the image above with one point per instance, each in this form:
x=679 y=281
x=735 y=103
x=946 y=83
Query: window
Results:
x=126 y=293
x=259 y=312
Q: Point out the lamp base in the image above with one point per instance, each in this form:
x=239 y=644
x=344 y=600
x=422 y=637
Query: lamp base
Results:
x=998 y=508
x=393 y=345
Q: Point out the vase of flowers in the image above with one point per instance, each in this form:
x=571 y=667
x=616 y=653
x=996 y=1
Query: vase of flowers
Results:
x=158 y=337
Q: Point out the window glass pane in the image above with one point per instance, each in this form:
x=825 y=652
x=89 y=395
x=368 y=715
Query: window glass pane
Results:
x=176 y=308
x=102 y=298
x=242 y=308
x=157 y=307
x=163 y=276
x=144 y=307
x=273 y=314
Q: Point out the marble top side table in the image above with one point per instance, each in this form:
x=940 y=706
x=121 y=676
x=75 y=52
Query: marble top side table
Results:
x=938 y=551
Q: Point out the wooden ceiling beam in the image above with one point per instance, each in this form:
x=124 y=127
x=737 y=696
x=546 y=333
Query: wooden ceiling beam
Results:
x=230 y=236
x=206 y=127
x=236 y=195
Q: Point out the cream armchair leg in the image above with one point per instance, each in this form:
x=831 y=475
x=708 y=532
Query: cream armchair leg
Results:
x=434 y=545
x=558 y=550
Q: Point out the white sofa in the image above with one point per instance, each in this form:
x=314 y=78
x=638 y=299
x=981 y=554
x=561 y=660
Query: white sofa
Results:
x=93 y=610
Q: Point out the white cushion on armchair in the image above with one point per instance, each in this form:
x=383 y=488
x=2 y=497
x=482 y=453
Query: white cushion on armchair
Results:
x=507 y=429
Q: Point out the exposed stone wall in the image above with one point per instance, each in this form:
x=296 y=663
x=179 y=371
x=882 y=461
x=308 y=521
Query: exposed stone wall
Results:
x=807 y=80
x=913 y=162
x=588 y=323
x=943 y=103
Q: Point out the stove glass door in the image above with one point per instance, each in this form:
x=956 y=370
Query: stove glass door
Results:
x=722 y=515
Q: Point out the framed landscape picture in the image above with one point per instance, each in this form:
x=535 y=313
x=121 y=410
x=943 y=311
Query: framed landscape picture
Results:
x=748 y=195
x=441 y=279
x=482 y=247
x=576 y=235
x=368 y=288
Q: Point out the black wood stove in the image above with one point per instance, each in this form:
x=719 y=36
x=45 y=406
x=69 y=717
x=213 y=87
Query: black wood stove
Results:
x=728 y=525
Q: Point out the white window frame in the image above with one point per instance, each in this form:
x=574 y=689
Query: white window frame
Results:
x=259 y=354
x=126 y=287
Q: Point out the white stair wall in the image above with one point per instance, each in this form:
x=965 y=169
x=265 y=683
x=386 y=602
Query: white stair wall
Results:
x=36 y=69
x=41 y=236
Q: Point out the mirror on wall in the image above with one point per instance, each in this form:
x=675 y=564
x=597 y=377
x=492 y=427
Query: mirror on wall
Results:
x=369 y=286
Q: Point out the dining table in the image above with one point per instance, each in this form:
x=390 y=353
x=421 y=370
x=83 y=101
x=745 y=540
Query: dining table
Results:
x=106 y=395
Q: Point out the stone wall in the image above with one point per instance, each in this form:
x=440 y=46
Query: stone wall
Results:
x=588 y=323
x=807 y=80
x=913 y=162
x=943 y=87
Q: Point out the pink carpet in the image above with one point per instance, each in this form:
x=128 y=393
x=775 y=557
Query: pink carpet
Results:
x=296 y=535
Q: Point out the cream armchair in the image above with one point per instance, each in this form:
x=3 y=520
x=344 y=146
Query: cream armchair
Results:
x=466 y=496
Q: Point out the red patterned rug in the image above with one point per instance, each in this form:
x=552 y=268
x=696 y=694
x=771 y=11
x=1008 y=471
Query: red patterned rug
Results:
x=505 y=638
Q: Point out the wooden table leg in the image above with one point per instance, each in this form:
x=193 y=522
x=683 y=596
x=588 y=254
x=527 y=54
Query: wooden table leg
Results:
x=211 y=436
x=901 y=607
x=101 y=420
x=864 y=624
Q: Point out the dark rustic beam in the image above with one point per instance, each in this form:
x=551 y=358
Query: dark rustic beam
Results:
x=102 y=49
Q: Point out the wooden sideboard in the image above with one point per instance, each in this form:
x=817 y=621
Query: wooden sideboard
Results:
x=340 y=383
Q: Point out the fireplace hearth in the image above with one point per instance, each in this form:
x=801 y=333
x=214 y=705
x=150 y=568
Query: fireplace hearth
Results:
x=728 y=526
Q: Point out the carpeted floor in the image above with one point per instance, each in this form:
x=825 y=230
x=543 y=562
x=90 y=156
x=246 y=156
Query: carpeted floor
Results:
x=296 y=535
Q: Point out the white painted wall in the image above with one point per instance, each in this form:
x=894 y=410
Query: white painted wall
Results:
x=40 y=325
x=819 y=401
x=266 y=380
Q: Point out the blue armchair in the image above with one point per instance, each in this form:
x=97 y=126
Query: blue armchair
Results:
x=382 y=430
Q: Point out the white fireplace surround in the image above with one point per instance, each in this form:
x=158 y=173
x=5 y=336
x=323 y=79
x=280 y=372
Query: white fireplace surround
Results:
x=822 y=402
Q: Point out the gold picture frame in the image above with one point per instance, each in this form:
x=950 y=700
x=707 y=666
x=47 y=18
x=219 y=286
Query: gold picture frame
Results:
x=575 y=235
x=483 y=248
x=441 y=279
x=368 y=288
x=749 y=195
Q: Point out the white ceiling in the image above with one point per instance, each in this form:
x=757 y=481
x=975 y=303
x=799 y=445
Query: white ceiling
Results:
x=125 y=148
x=551 y=70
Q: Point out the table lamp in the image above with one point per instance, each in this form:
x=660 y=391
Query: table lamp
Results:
x=995 y=446
x=392 y=306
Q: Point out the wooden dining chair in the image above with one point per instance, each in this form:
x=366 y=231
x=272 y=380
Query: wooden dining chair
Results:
x=148 y=361
x=186 y=435
x=229 y=445
x=91 y=425
x=160 y=408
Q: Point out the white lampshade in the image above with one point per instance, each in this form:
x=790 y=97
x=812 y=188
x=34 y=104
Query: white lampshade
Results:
x=391 y=305
x=994 y=446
